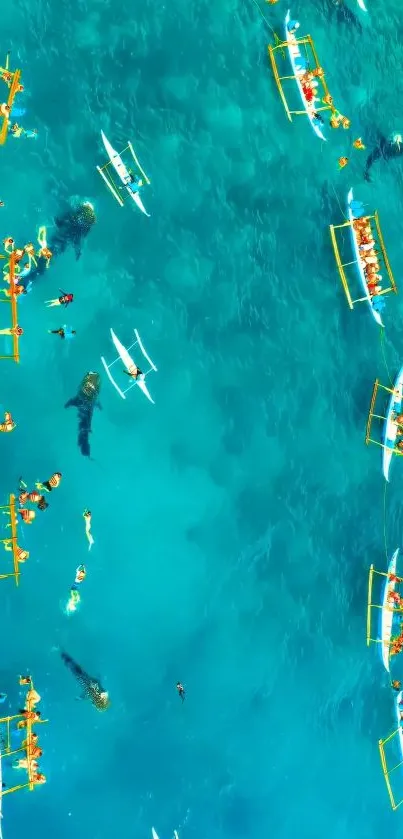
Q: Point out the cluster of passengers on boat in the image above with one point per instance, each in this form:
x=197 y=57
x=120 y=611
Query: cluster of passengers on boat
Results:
x=369 y=258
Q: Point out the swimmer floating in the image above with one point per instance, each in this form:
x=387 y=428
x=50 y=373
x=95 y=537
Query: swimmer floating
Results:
x=92 y=688
x=131 y=368
x=64 y=300
x=87 y=518
x=8 y=424
x=132 y=183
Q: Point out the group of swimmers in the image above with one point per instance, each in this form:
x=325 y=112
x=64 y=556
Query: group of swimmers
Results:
x=8 y=111
x=16 y=272
x=30 y=745
x=368 y=257
x=74 y=599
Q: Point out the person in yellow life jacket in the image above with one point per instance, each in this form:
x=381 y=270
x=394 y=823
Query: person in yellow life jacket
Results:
x=8 y=424
x=20 y=553
x=51 y=484
x=14 y=330
x=25 y=680
x=39 y=778
x=16 y=130
x=358 y=144
x=32 y=698
x=27 y=516
x=25 y=763
x=14 y=291
x=343 y=161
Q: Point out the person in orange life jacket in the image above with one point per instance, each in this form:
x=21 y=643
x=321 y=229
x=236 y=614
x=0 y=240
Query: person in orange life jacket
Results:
x=51 y=484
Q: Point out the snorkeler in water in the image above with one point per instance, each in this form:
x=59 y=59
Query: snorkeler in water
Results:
x=181 y=691
x=87 y=518
x=52 y=483
x=64 y=332
x=63 y=300
x=73 y=601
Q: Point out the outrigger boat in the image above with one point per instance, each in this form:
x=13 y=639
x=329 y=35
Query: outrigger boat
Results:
x=303 y=58
x=131 y=183
x=397 y=739
x=131 y=367
x=355 y=210
x=155 y=834
x=390 y=428
x=386 y=608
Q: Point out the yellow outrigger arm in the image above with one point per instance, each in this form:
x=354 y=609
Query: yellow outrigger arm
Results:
x=13 y=90
x=372 y=415
x=312 y=62
x=12 y=302
x=11 y=542
x=395 y=801
x=342 y=265
x=22 y=750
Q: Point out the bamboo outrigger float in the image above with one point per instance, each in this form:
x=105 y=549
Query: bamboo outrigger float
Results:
x=395 y=738
x=354 y=215
x=27 y=752
x=10 y=543
x=12 y=79
x=391 y=429
x=10 y=270
x=387 y=608
x=302 y=61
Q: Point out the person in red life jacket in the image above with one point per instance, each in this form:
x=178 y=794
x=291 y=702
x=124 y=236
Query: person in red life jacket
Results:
x=51 y=484
x=181 y=691
x=63 y=300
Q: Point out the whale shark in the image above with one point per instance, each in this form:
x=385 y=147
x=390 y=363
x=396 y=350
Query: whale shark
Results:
x=85 y=401
x=387 y=148
x=92 y=688
x=70 y=229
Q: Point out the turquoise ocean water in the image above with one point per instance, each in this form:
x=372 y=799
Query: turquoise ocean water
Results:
x=236 y=519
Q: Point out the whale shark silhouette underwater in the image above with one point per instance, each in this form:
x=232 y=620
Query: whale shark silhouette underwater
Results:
x=387 y=148
x=70 y=230
x=91 y=687
x=85 y=401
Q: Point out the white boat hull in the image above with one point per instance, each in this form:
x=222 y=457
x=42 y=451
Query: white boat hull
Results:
x=294 y=53
x=361 y=274
x=122 y=173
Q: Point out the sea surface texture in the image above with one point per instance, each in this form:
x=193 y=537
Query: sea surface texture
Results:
x=236 y=519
